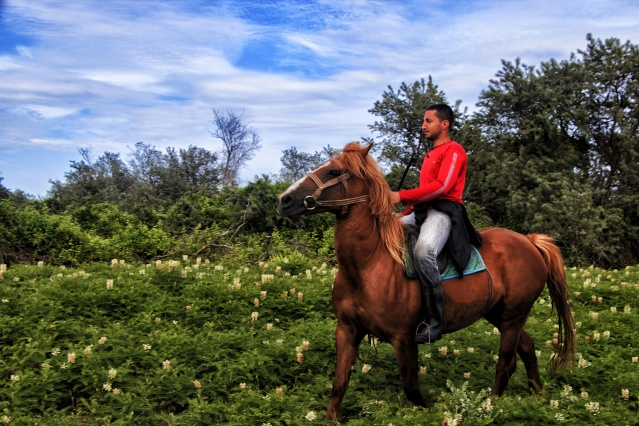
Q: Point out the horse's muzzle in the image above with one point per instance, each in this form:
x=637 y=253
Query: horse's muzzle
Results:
x=284 y=204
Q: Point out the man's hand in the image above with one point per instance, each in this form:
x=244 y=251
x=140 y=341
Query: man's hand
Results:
x=394 y=197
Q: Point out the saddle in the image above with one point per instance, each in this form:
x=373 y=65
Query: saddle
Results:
x=445 y=264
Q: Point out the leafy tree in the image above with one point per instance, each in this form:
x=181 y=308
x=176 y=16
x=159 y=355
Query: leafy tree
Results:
x=567 y=128
x=145 y=161
x=196 y=211
x=102 y=219
x=515 y=144
x=151 y=180
x=239 y=143
x=187 y=171
x=4 y=192
x=106 y=179
x=604 y=123
x=7 y=236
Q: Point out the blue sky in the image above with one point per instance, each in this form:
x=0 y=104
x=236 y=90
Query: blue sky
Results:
x=107 y=74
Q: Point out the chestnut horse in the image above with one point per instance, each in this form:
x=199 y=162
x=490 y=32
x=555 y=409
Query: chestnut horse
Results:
x=372 y=293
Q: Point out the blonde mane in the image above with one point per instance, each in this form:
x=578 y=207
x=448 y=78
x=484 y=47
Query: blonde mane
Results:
x=365 y=167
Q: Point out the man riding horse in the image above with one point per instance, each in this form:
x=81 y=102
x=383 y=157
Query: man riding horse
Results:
x=436 y=215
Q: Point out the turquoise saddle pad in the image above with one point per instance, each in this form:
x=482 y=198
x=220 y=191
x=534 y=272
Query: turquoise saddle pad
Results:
x=475 y=264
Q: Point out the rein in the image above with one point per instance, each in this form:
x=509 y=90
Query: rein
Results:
x=310 y=201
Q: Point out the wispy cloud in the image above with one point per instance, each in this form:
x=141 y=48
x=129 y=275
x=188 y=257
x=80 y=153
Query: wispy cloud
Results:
x=109 y=74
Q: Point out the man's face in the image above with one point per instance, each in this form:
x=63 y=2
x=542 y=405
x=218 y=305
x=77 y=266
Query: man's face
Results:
x=432 y=126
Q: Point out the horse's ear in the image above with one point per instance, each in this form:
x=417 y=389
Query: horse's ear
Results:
x=365 y=150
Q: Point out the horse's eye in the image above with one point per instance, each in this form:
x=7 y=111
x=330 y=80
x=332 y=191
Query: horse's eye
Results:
x=334 y=173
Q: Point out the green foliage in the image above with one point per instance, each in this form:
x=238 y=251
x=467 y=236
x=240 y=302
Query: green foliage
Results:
x=589 y=235
x=139 y=242
x=149 y=179
x=556 y=149
x=197 y=211
x=30 y=232
x=4 y=192
x=236 y=222
x=463 y=405
x=293 y=263
x=255 y=204
x=194 y=342
x=103 y=219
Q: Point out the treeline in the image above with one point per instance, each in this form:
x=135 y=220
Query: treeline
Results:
x=92 y=217
x=552 y=149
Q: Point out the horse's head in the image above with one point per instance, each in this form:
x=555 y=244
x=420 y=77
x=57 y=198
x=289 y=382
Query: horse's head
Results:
x=331 y=187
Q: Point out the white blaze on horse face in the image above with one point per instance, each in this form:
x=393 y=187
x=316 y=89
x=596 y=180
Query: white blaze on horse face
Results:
x=294 y=186
x=297 y=184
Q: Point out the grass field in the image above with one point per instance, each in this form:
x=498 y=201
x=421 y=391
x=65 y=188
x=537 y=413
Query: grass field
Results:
x=195 y=343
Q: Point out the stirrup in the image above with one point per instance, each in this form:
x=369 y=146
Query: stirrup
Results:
x=417 y=333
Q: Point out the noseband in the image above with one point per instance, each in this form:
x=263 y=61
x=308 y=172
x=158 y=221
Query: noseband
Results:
x=310 y=201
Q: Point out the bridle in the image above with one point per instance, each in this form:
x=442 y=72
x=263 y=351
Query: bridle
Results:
x=310 y=201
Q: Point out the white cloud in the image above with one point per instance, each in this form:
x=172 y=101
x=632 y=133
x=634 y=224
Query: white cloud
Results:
x=48 y=112
x=24 y=51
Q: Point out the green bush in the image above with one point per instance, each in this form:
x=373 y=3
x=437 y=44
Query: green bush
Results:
x=102 y=219
x=36 y=235
x=139 y=242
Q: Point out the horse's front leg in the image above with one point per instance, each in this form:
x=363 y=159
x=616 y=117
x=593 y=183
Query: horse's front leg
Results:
x=406 y=353
x=347 y=340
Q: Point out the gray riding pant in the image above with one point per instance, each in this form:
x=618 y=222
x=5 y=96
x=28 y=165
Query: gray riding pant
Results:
x=431 y=236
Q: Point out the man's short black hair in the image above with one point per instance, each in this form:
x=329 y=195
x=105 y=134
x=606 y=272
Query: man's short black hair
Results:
x=443 y=112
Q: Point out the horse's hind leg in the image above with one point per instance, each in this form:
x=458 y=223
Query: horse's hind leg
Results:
x=406 y=353
x=526 y=350
x=347 y=341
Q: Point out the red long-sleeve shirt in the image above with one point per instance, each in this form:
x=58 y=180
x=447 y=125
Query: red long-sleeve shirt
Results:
x=443 y=176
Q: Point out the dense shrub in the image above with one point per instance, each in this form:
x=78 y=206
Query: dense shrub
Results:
x=30 y=232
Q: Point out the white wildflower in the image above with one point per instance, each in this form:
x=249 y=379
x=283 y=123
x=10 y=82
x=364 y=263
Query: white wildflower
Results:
x=593 y=407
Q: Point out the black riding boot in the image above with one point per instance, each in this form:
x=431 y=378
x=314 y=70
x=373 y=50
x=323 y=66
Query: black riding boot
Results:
x=434 y=299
